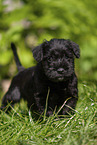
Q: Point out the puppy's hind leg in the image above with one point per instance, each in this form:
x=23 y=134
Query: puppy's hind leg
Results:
x=12 y=97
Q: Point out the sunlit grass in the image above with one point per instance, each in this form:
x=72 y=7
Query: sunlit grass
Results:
x=19 y=128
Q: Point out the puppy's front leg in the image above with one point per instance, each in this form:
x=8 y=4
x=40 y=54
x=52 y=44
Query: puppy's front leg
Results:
x=70 y=106
x=72 y=96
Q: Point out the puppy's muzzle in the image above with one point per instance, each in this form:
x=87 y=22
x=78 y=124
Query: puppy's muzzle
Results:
x=60 y=70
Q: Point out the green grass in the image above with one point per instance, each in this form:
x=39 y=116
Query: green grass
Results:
x=18 y=128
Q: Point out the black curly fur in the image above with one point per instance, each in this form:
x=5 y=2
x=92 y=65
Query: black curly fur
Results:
x=54 y=70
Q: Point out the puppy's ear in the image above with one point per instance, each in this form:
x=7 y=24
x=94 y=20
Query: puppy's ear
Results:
x=75 y=48
x=38 y=53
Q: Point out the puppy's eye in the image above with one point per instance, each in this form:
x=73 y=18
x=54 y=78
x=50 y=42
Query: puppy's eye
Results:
x=66 y=57
x=49 y=59
x=70 y=55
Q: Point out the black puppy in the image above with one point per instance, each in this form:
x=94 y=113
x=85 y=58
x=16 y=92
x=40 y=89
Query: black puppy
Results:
x=54 y=70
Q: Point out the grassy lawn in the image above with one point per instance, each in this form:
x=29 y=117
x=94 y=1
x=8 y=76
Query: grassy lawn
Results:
x=19 y=128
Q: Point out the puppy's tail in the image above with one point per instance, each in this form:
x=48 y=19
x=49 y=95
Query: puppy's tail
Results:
x=18 y=63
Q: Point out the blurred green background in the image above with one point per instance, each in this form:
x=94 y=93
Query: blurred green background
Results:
x=29 y=22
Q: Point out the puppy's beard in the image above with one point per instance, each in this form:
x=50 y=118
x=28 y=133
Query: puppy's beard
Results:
x=54 y=76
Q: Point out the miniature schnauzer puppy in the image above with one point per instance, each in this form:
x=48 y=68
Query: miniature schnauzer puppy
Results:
x=54 y=72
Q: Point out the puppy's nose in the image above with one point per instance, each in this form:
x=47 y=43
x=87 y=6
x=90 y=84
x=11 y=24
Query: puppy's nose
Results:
x=60 y=70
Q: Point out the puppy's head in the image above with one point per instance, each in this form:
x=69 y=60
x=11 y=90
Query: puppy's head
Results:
x=57 y=57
